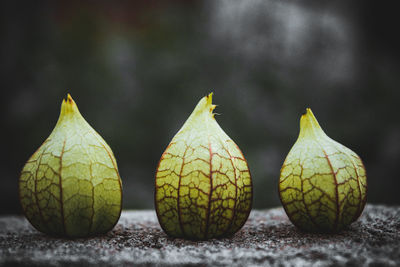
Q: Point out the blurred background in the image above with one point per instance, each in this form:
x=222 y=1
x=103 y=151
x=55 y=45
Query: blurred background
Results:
x=137 y=69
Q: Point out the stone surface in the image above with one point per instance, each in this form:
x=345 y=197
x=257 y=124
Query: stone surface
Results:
x=268 y=238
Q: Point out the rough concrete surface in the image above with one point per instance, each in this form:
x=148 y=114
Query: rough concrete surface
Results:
x=268 y=238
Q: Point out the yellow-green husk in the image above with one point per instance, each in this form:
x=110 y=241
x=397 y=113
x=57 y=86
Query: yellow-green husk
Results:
x=203 y=184
x=71 y=186
x=322 y=183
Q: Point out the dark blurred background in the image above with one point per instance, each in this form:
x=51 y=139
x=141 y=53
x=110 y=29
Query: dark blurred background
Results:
x=137 y=69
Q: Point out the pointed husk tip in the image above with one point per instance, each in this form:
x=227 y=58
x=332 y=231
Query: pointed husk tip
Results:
x=68 y=106
x=69 y=98
x=308 y=114
x=309 y=124
x=209 y=101
x=205 y=105
x=209 y=97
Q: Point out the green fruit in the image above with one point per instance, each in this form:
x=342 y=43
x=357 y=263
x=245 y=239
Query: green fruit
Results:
x=71 y=186
x=323 y=184
x=203 y=183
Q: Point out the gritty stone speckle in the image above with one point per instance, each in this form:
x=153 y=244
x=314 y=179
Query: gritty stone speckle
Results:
x=268 y=238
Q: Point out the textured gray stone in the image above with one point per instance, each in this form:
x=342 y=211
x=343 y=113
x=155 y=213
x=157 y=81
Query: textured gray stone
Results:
x=268 y=238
